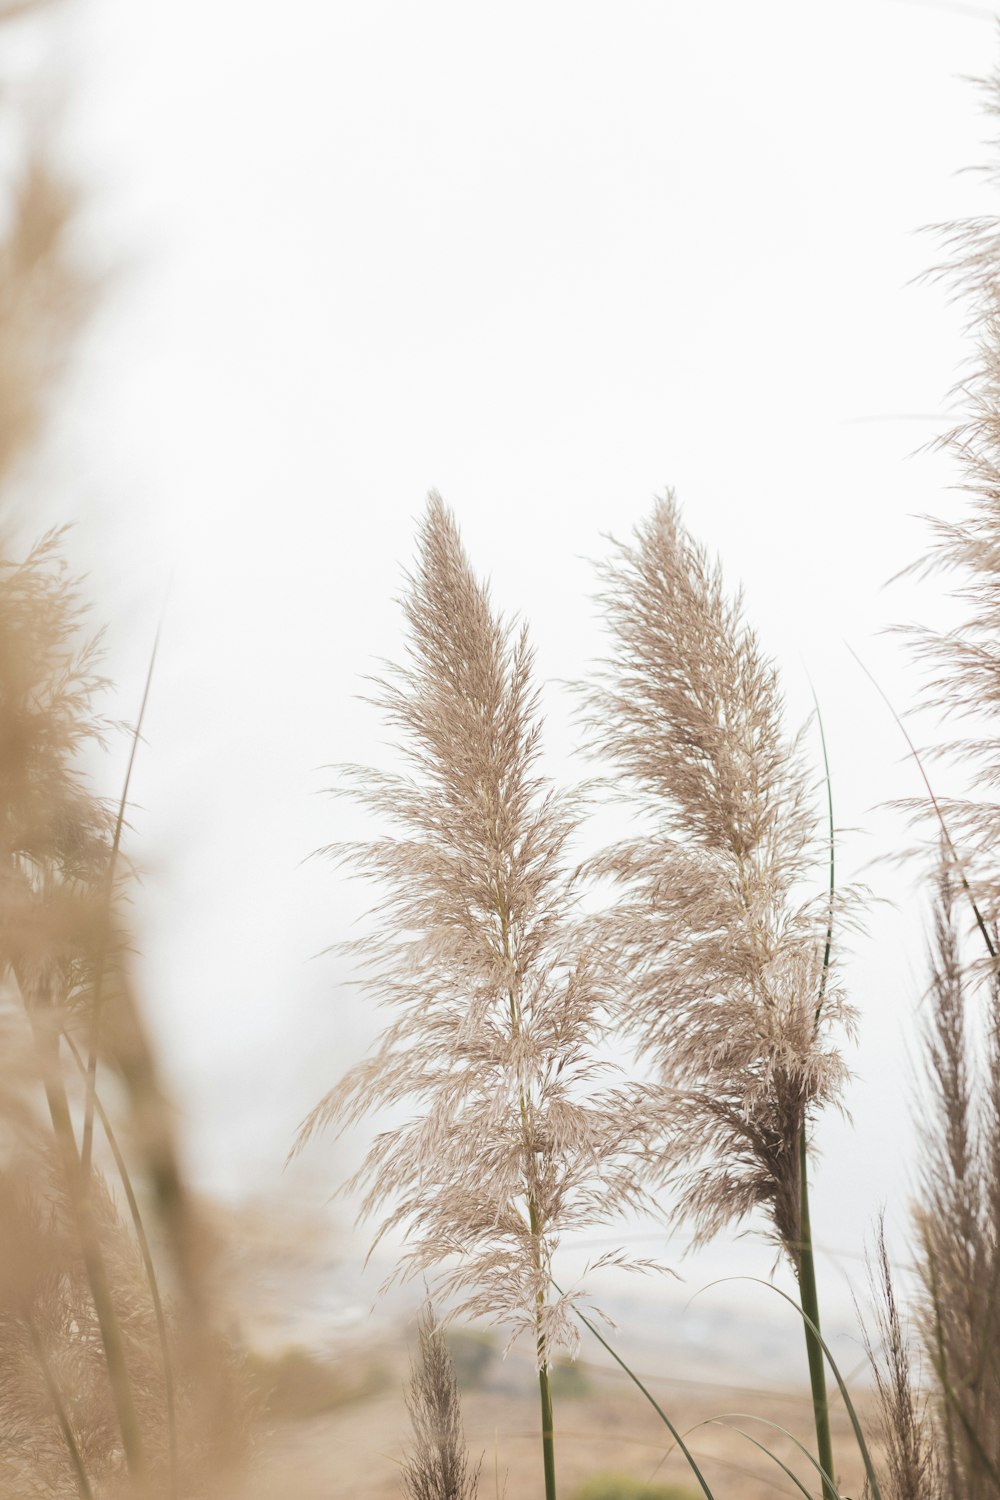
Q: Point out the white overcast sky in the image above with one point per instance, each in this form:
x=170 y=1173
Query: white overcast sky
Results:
x=548 y=258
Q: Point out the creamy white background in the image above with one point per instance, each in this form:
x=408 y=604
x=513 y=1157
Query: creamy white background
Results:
x=548 y=258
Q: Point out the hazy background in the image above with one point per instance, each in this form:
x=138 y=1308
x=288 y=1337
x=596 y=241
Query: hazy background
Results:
x=548 y=258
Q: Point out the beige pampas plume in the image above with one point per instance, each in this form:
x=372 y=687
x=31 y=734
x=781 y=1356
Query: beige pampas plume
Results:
x=725 y=977
x=963 y=679
x=959 y=1214
x=724 y=956
x=908 y=1434
x=438 y=1467
x=517 y=1132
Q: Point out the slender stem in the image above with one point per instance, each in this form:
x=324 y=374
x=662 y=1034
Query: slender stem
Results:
x=806 y=1261
x=810 y=1306
x=544 y=1384
x=102 y=951
x=46 y=1040
x=548 y=1437
x=147 y=1260
x=541 y=1349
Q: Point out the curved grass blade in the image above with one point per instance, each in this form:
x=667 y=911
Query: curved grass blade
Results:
x=726 y=1418
x=876 y=1493
x=721 y=1422
x=47 y=1045
x=679 y=1440
x=808 y=1287
x=960 y=867
x=102 y=948
x=828 y=947
x=169 y=1386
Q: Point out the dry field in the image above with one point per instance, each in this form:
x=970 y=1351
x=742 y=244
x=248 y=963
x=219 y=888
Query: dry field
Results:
x=355 y=1449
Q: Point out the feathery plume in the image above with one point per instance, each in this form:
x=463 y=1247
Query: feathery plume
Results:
x=725 y=971
x=958 y=1219
x=909 y=1439
x=438 y=1468
x=498 y=1000
x=726 y=986
x=958 y=1215
x=963 y=679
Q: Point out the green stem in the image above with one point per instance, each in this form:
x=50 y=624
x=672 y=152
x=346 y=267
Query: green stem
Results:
x=548 y=1435
x=810 y=1306
x=806 y=1258
x=542 y=1354
x=541 y=1350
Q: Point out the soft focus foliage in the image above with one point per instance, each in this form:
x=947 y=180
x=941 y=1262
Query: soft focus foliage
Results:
x=107 y=1385
x=99 y=1376
x=42 y=298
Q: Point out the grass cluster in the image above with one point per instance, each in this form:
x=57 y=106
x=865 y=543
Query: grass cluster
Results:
x=711 y=962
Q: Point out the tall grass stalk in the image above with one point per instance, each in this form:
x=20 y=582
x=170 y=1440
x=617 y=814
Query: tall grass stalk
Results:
x=958 y=1218
x=728 y=982
x=807 y=1259
x=500 y=995
x=814 y=1353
